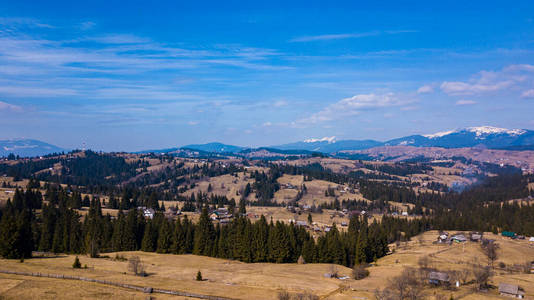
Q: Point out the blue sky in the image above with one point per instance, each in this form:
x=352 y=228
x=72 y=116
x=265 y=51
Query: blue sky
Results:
x=144 y=76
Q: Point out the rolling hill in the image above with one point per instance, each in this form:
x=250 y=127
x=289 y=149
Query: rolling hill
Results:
x=27 y=148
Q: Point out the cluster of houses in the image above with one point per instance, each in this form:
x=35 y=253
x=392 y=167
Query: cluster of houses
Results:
x=313 y=226
x=446 y=238
x=149 y=213
x=299 y=209
x=347 y=213
x=443 y=279
x=515 y=236
x=222 y=215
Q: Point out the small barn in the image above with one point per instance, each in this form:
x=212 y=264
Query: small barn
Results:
x=511 y=290
x=509 y=234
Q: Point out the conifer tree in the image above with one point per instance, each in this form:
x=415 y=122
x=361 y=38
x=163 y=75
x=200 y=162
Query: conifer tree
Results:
x=165 y=237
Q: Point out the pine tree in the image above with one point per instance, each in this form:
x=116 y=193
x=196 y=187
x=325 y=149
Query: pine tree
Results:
x=165 y=238
x=76 y=264
x=203 y=238
x=149 y=238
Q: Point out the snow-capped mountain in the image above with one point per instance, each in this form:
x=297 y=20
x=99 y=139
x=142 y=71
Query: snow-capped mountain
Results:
x=483 y=136
x=27 y=148
x=486 y=136
x=490 y=137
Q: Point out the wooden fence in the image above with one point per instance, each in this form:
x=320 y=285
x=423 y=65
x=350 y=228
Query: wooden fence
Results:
x=147 y=290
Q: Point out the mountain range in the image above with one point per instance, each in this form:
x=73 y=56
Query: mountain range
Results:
x=483 y=136
x=27 y=148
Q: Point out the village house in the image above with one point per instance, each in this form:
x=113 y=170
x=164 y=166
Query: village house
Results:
x=511 y=290
x=148 y=213
x=476 y=237
x=443 y=237
x=438 y=278
x=459 y=238
x=302 y=223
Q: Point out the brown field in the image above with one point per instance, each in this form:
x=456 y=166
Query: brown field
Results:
x=261 y=280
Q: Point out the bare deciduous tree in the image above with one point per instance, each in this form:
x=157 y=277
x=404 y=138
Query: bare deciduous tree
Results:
x=407 y=285
x=490 y=250
x=463 y=275
x=482 y=274
x=384 y=294
x=136 y=266
x=424 y=262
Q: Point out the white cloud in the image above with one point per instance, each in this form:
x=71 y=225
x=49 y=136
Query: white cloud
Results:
x=280 y=103
x=465 y=102
x=353 y=106
x=425 y=89
x=87 y=25
x=192 y=123
x=528 y=94
x=267 y=124
x=463 y=88
x=520 y=67
x=486 y=82
x=4 y=106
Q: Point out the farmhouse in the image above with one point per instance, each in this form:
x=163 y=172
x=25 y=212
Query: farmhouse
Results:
x=302 y=223
x=438 y=278
x=443 y=237
x=148 y=213
x=459 y=238
x=476 y=237
x=511 y=290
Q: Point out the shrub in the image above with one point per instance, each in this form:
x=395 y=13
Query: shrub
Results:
x=199 y=276
x=77 y=264
x=284 y=295
x=360 y=272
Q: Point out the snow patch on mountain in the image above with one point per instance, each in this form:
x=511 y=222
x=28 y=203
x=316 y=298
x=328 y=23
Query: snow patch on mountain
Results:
x=439 y=134
x=330 y=140
x=480 y=132
x=486 y=130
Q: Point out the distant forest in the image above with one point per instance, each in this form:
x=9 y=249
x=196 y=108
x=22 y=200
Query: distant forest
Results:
x=58 y=227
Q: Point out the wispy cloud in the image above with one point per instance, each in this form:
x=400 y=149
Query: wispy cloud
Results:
x=486 y=82
x=23 y=22
x=465 y=102
x=528 y=94
x=425 y=89
x=353 y=106
x=87 y=25
x=341 y=36
x=4 y=106
x=88 y=66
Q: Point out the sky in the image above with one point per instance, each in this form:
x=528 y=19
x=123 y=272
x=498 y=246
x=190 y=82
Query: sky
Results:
x=112 y=76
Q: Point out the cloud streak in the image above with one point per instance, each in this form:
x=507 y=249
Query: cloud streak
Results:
x=342 y=36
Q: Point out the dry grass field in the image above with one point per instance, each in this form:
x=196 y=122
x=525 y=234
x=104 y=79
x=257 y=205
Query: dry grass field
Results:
x=261 y=280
